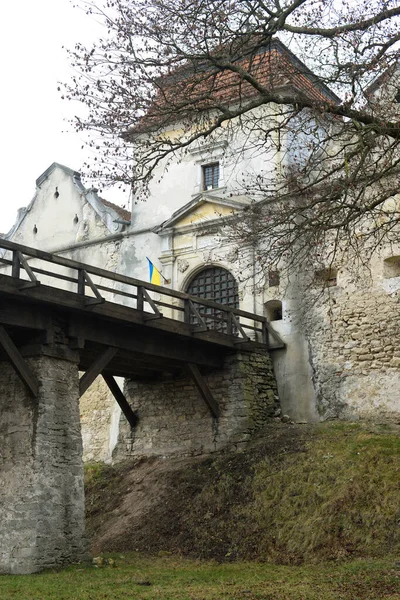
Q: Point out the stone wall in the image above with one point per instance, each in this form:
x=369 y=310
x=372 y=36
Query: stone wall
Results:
x=100 y=415
x=173 y=418
x=41 y=474
x=354 y=338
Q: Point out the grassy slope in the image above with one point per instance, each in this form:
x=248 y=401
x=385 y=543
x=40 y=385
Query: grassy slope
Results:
x=171 y=578
x=298 y=494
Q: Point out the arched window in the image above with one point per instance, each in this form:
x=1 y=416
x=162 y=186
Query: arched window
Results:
x=216 y=284
x=391 y=267
x=273 y=310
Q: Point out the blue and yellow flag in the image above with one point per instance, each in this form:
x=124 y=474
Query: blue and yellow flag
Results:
x=155 y=275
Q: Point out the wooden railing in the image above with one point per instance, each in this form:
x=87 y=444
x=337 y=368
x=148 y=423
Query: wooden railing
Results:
x=97 y=285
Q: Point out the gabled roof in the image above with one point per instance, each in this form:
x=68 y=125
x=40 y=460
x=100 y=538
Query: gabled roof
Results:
x=274 y=66
x=110 y=213
x=235 y=203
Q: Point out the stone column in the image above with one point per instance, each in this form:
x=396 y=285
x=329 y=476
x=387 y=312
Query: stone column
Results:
x=41 y=469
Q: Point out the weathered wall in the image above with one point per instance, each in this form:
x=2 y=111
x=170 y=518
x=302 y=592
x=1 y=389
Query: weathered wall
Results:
x=354 y=340
x=173 y=418
x=64 y=215
x=41 y=475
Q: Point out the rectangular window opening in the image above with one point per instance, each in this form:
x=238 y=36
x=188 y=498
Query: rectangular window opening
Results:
x=273 y=278
x=210 y=176
x=327 y=276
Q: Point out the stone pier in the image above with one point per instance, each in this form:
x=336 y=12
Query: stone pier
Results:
x=41 y=470
x=174 y=420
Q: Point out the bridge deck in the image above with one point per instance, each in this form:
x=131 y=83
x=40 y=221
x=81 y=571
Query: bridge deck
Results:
x=119 y=326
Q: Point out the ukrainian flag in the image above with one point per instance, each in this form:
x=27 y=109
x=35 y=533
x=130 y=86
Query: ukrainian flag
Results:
x=155 y=275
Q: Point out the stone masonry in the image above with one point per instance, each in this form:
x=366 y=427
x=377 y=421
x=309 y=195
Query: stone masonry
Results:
x=354 y=340
x=41 y=470
x=173 y=418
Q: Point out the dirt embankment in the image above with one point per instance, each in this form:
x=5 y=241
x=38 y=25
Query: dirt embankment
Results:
x=297 y=493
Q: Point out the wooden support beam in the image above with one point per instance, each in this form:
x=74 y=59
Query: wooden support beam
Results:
x=130 y=415
x=146 y=343
x=83 y=280
x=147 y=298
x=275 y=335
x=98 y=297
x=240 y=329
x=204 y=390
x=20 y=365
x=33 y=279
x=190 y=307
x=95 y=369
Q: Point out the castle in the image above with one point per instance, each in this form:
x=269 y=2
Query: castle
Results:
x=341 y=358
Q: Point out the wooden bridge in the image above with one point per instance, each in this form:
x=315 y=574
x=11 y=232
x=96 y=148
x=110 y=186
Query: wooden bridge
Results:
x=59 y=317
x=118 y=326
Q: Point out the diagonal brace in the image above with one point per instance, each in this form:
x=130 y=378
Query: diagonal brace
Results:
x=95 y=369
x=85 y=279
x=236 y=322
x=130 y=415
x=22 y=368
x=204 y=390
x=149 y=300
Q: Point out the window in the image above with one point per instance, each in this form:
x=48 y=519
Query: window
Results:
x=273 y=310
x=328 y=277
x=273 y=278
x=219 y=285
x=391 y=267
x=210 y=176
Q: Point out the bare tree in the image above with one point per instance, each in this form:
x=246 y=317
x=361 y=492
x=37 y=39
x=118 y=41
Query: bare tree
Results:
x=313 y=81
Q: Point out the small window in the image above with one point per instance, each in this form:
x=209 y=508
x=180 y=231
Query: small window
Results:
x=391 y=267
x=273 y=278
x=273 y=310
x=328 y=277
x=210 y=176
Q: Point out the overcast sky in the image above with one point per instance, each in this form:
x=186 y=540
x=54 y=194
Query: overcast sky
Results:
x=34 y=131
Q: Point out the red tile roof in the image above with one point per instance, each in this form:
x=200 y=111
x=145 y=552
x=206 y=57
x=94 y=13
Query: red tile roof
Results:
x=122 y=212
x=274 y=68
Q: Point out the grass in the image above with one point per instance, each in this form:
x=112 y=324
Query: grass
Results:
x=172 y=578
x=302 y=494
x=306 y=513
x=338 y=498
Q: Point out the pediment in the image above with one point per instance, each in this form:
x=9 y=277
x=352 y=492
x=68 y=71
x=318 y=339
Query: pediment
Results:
x=203 y=208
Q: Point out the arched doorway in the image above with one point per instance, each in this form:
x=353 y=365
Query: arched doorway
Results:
x=216 y=284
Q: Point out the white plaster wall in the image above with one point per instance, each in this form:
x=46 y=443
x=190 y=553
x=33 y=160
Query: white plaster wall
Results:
x=64 y=221
x=55 y=218
x=177 y=183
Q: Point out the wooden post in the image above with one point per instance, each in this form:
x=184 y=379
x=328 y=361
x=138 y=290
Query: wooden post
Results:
x=140 y=298
x=81 y=282
x=16 y=265
x=265 y=336
x=186 y=311
x=229 y=323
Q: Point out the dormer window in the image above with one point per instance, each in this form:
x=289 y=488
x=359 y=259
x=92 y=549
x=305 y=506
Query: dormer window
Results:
x=210 y=176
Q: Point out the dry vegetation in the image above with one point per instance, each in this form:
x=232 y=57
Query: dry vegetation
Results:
x=299 y=494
